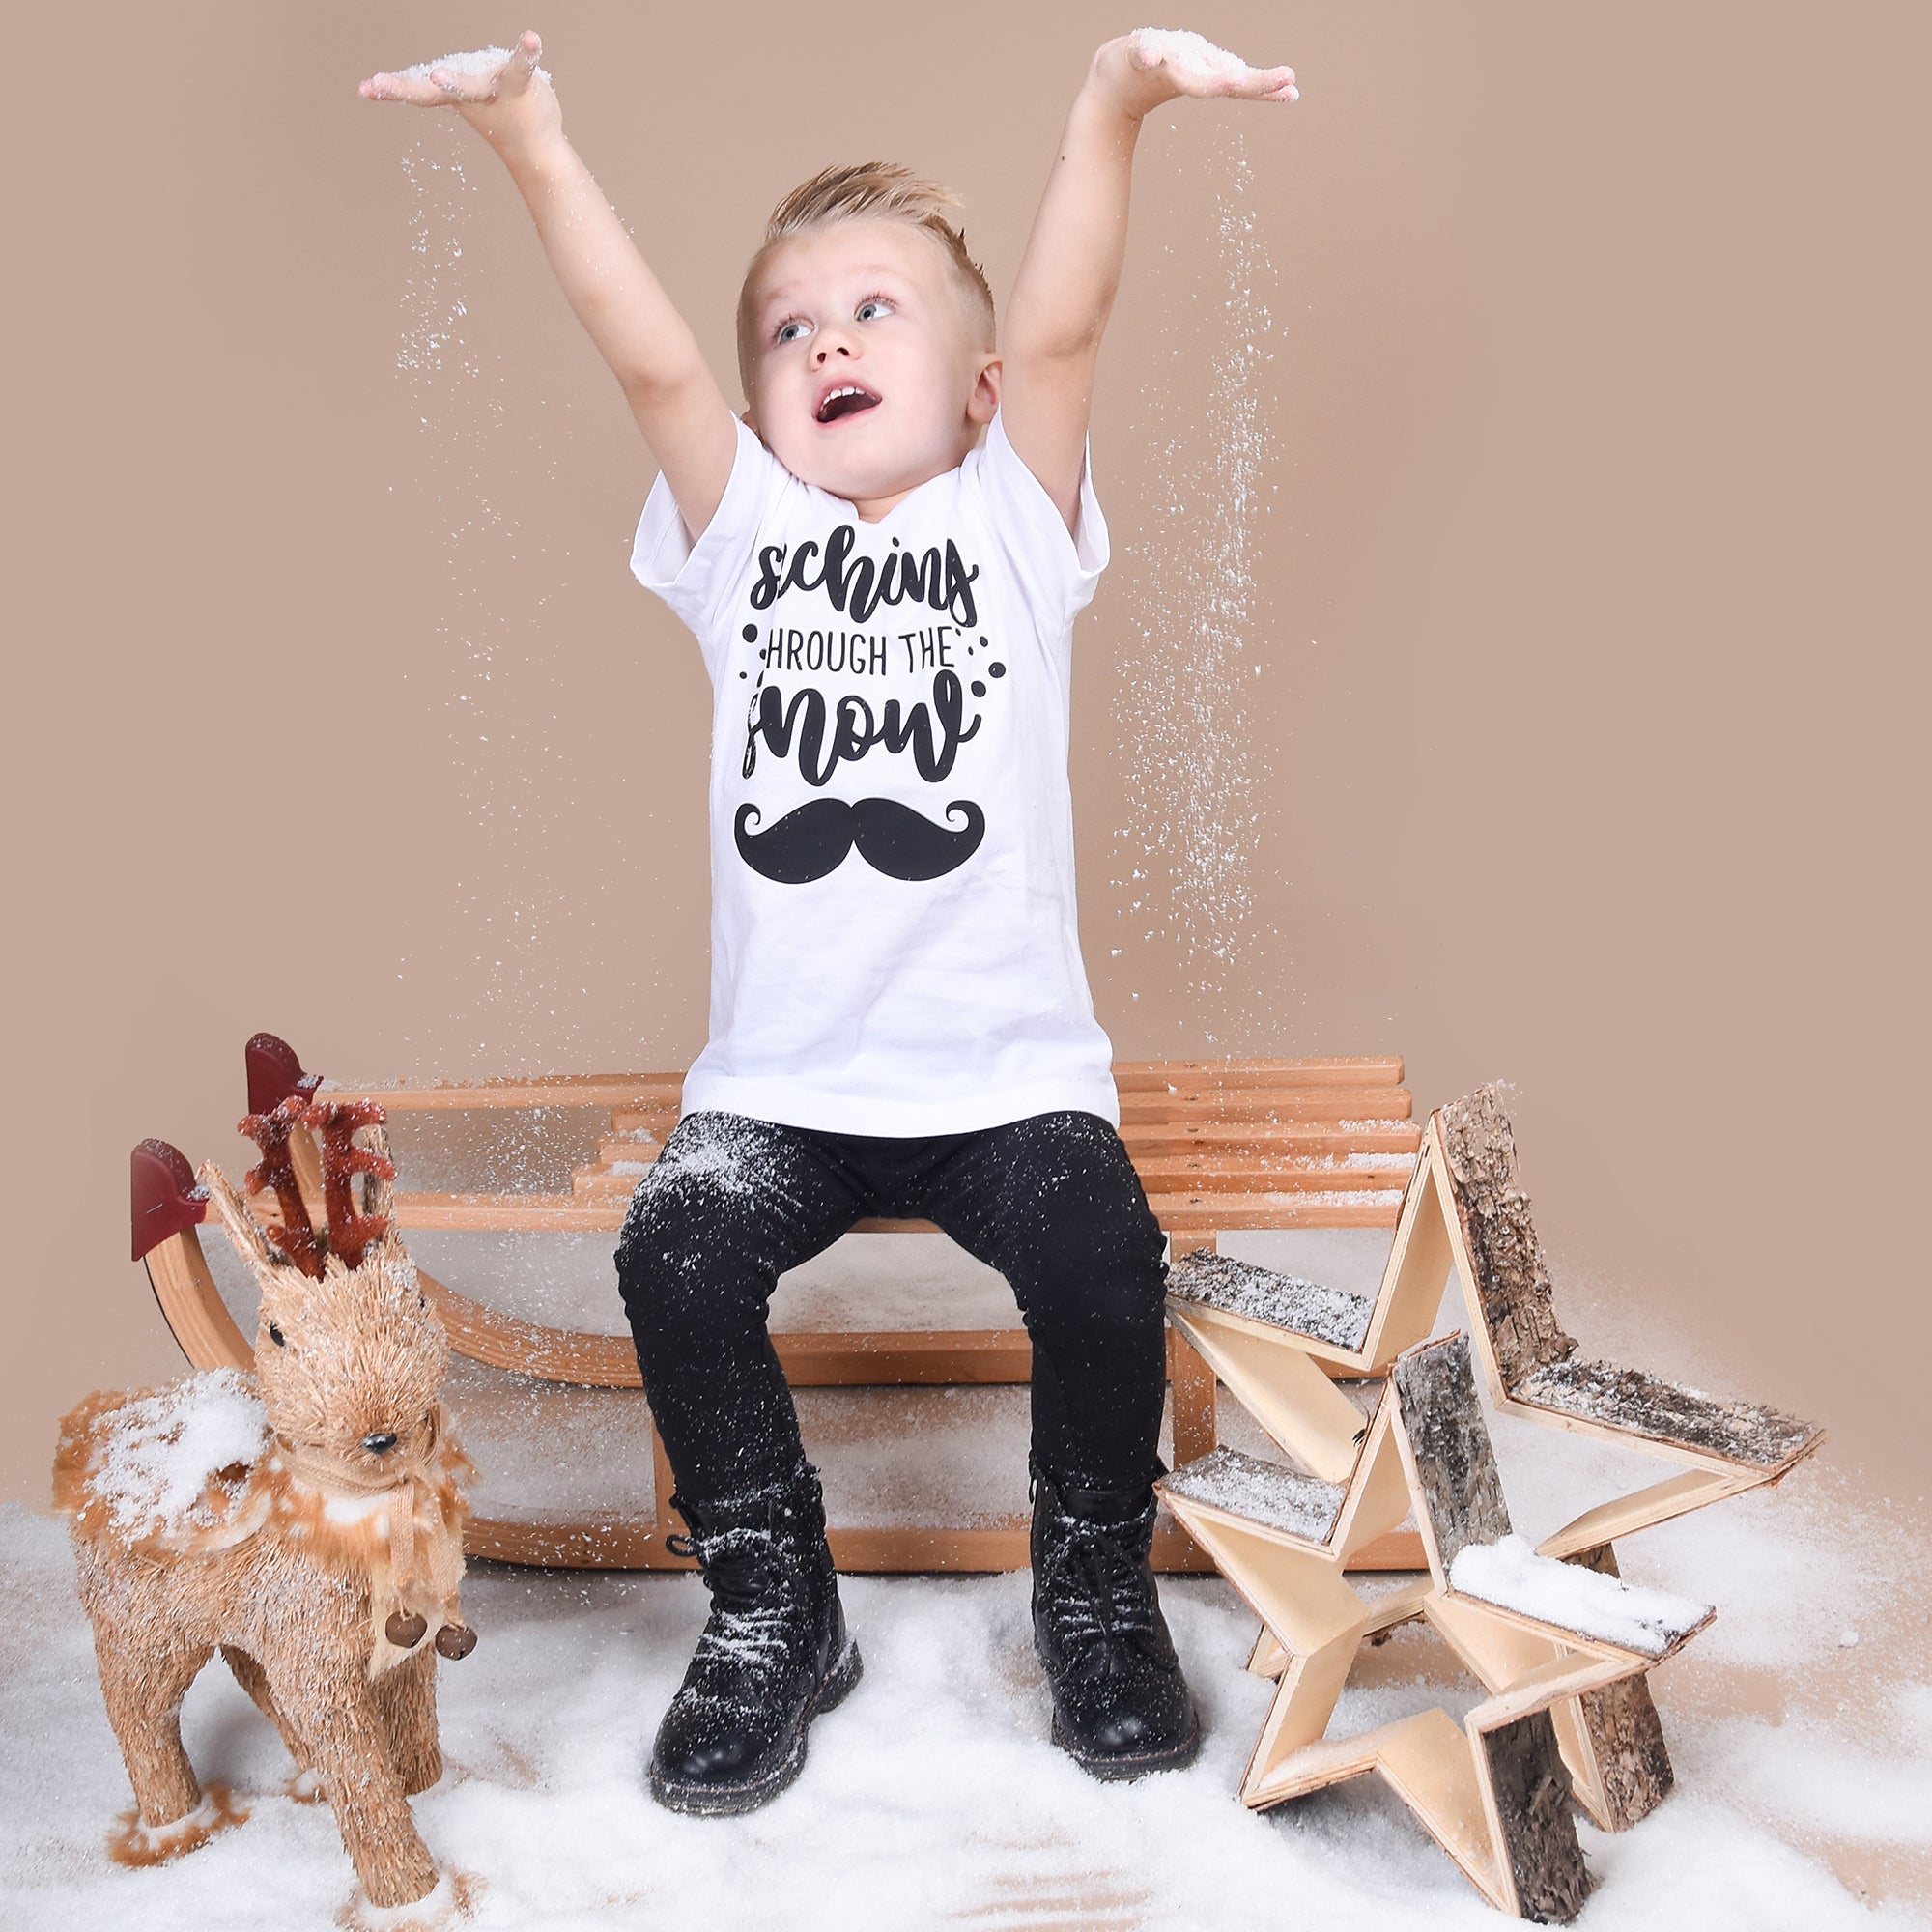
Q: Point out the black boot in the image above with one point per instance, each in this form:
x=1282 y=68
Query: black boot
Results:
x=772 y=1656
x=1121 y=1706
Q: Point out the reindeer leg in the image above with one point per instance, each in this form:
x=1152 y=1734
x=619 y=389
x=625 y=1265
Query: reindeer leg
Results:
x=144 y=1684
x=254 y=1680
x=344 y=1735
x=406 y=1698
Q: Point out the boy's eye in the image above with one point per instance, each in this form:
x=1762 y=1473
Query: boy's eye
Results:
x=792 y=331
x=873 y=307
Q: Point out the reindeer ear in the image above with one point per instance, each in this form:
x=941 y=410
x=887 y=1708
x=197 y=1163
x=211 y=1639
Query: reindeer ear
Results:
x=281 y=1304
x=250 y=1243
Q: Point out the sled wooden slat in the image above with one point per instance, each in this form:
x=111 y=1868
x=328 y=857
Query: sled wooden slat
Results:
x=1207 y=1141
x=616 y=1091
x=647 y=1092
x=1226 y=1175
x=636 y=1134
x=1266 y=1103
x=1156 y=1075
x=1195 y=1213
x=877 y=1358
x=1201 y=1215
x=509 y=1214
x=1160 y=1106
x=625 y=1090
x=1306 y=1138
x=657 y=1121
x=1247 y=1174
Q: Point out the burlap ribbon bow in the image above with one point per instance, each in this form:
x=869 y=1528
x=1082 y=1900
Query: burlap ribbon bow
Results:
x=413 y=1546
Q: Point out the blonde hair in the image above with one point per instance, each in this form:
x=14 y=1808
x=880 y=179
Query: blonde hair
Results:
x=868 y=191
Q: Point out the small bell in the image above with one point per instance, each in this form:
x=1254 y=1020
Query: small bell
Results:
x=405 y=1630
x=454 y=1640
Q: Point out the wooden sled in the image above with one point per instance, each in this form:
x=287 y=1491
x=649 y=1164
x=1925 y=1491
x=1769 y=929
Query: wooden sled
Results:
x=1219 y=1145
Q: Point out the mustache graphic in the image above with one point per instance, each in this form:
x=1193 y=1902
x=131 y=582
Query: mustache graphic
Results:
x=891 y=838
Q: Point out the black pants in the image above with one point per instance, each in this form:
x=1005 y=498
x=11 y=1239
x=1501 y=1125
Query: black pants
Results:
x=1052 y=1202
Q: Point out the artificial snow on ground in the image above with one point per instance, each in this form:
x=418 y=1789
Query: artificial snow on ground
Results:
x=1799 y=1722
x=932 y=1795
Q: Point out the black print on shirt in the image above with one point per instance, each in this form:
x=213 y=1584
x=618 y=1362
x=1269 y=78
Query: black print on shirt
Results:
x=932 y=735
x=893 y=838
x=858 y=585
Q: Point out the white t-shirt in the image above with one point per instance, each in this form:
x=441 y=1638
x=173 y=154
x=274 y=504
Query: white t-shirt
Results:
x=894 y=947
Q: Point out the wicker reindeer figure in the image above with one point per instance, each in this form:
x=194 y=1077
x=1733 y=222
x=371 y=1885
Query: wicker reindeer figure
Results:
x=307 y=1525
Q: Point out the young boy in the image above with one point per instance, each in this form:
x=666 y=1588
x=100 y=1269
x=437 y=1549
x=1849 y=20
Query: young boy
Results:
x=882 y=563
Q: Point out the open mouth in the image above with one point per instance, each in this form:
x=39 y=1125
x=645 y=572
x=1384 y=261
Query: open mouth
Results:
x=847 y=400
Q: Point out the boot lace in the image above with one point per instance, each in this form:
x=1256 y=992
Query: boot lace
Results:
x=755 y=1609
x=1098 y=1592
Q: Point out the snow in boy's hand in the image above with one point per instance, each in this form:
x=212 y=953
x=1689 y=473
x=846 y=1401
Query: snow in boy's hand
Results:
x=1195 y=55
x=160 y=1451
x=476 y=65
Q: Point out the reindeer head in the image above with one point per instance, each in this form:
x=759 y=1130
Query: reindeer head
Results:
x=349 y=1356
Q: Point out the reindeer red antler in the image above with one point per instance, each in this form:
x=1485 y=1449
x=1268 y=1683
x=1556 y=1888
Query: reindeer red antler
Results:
x=270 y=1133
x=350 y=1232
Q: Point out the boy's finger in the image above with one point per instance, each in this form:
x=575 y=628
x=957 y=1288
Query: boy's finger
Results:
x=454 y=86
x=408 y=89
x=1269 y=83
x=513 y=77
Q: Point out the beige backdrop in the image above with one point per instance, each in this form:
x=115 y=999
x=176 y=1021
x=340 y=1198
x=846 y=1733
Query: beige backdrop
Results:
x=1514 y=656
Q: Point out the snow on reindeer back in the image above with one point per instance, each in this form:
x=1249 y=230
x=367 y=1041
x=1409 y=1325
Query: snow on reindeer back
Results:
x=162 y=1456
x=1509 y=1573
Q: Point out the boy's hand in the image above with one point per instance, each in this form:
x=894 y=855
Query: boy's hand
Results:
x=502 y=92
x=507 y=98
x=1142 y=69
x=1072 y=268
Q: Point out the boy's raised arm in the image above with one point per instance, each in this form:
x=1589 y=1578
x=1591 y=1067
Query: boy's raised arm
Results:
x=683 y=413
x=1072 y=268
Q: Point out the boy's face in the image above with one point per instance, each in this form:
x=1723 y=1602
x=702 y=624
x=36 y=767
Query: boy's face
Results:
x=867 y=372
